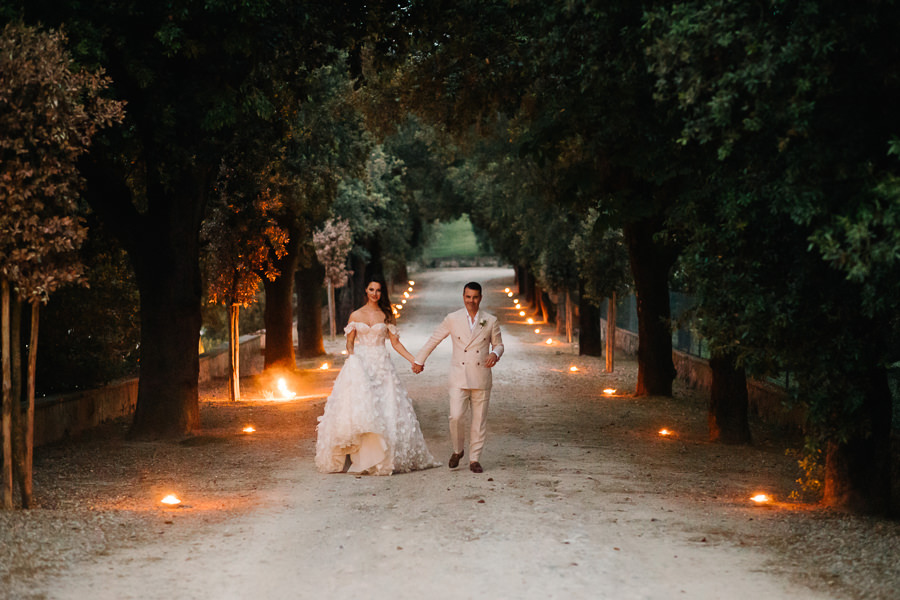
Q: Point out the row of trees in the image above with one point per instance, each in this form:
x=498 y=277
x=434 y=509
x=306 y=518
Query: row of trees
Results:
x=748 y=153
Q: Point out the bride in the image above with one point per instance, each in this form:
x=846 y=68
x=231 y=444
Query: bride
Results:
x=369 y=416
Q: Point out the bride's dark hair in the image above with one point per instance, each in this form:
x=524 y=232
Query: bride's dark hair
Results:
x=384 y=302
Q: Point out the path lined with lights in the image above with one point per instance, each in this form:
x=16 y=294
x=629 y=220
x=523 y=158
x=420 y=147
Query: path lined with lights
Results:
x=585 y=494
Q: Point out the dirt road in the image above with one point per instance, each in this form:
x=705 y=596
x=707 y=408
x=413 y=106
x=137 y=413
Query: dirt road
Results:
x=580 y=498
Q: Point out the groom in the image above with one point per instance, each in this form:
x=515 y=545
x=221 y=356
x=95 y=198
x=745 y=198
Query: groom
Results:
x=477 y=346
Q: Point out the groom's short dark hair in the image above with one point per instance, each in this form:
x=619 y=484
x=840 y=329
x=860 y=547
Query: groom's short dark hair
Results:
x=472 y=285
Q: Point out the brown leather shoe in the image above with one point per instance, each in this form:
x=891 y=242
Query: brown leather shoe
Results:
x=454 y=459
x=475 y=467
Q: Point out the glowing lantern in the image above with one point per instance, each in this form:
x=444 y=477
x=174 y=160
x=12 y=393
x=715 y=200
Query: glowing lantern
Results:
x=403 y=301
x=609 y=391
x=664 y=432
x=248 y=429
x=549 y=341
x=411 y=282
x=406 y=294
x=761 y=498
x=171 y=500
x=521 y=313
x=324 y=366
x=537 y=330
x=517 y=300
x=530 y=321
x=573 y=369
x=409 y=289
x=510 y=294
x=506 y=290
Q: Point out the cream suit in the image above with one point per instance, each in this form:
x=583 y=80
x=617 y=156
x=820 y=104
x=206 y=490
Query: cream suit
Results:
x=470 y=379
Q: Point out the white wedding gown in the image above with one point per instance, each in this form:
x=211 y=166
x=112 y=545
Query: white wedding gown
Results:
x=369 y=415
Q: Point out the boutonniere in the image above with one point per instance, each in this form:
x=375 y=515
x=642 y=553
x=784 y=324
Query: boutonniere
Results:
x=482 y=322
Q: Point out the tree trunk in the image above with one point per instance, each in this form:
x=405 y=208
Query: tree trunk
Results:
x=650 y=265
x=546 y=311
x=234 y=351
x=309 y=311
x=27 y=488
x=858 y=470
x=570 y=318
x=18 y=418
x=279 y=312
x=529 y=289
x=163 y=244
x=167 y=404
x=611 y=334
x=6 y=476
x=590 y=341
x=728 y=402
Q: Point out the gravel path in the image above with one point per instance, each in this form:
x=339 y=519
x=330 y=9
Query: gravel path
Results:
x=580 y=498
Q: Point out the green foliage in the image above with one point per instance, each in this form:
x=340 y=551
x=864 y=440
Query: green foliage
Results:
x=812 y=474
x=49 y=111
x=91 y=335
x=454 y=239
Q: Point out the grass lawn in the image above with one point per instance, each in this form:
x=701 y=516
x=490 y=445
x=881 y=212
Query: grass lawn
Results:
x=454 y=239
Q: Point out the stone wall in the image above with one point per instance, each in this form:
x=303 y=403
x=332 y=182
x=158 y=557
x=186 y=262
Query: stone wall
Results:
x=767 y=400
x=59 y=416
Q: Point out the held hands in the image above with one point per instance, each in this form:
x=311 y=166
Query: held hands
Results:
x=417 y=368
x=491 y=361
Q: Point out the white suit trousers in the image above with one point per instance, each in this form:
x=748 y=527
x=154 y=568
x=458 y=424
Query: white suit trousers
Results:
x=460 y=402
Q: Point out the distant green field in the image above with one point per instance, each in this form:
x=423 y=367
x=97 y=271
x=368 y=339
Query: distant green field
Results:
x=454 y=239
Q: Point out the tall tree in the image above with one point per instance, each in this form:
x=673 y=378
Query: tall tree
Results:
x=49 y=113
x=797 y=101
x=194 y=76
x=241 y=239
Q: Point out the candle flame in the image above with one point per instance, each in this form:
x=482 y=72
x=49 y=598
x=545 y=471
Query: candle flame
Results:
x=609 y=391
x=510 y=294
x=344 y=352
x=761 y=498
x=171 y=500
x=506 y=290
x=283 y=388
x=665 y=432
x=406 y=294
x=573 y=368
x=537 y=330
x=248 y=429
x=521 y=313
x=411 y=282
x=403 y=301
x=324 y=366
x=409 y=289
x=530 y=321
x=549 y=341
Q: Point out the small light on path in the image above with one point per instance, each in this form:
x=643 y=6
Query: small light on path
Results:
x=530 y=321
x=609 y=391
x=573 y=368
x=324 y=366
x=537 y=330
x=248 y=429
x=549 y=341
x=521 y=313
x=664 y=432
x=761 y=498
x=171 y=500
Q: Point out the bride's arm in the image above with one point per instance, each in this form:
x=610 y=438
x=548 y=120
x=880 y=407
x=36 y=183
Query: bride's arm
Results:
x=400 y=348
x=351 y=340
